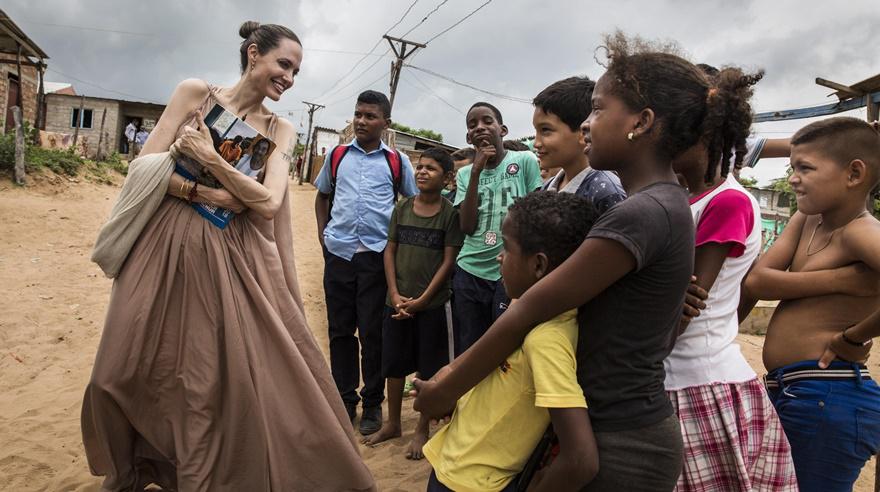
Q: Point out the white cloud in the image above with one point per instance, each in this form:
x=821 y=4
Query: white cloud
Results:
x=514 y=47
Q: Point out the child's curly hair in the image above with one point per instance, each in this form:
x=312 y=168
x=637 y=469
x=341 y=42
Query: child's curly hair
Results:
x=551 y=223
x=689 y=105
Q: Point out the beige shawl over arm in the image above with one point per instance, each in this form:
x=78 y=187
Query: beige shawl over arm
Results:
x=142 y=193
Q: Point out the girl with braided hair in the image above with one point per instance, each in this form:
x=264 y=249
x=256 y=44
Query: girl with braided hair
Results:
x=733 y=439
x=630 y=276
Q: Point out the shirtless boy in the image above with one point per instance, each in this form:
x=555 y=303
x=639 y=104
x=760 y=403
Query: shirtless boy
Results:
x=825 y=269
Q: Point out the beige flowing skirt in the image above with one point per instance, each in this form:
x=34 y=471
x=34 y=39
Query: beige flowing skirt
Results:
x=207 y=376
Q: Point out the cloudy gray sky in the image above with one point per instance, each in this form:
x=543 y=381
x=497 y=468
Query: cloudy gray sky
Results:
x=509 y=47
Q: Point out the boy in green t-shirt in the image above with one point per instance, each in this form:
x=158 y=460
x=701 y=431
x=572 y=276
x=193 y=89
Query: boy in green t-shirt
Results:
x=486 y=189
x=497 y=425
x=423 y=240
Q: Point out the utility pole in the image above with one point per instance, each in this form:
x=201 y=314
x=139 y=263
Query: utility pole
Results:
x=401 y=54
x=307 y=163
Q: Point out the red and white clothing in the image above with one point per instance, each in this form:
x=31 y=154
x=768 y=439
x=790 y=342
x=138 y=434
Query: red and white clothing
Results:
x=733 y=439
x=707 y=351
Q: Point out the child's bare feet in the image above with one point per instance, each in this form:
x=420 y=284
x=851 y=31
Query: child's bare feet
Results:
x=388 y=431
x=415 y=446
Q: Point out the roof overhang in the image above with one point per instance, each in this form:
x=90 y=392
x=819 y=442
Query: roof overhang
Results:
x=11 y=37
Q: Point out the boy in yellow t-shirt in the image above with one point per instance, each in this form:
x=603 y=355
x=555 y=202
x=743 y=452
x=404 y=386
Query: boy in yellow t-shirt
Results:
x=497 y=425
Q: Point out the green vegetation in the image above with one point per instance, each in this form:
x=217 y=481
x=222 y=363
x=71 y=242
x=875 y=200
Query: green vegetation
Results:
x=782 y=185
x=422 y=132
x=64 y=162
x=748 y=182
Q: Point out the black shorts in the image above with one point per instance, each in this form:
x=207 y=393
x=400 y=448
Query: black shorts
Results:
x=419 y=344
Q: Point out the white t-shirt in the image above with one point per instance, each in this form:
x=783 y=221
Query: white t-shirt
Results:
x=572 y=186
x=244 y=166
x=707 y=351
x=130 y=132
x=754 y=146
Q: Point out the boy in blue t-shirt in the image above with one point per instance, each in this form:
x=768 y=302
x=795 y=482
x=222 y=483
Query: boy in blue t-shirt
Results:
x=486 y=189
x=559 y=111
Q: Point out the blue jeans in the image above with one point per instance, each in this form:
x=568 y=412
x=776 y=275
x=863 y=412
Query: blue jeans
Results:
x=478 y=303
x=833 y=426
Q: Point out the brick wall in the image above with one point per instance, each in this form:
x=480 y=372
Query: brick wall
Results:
x=59 y=112
x=29 y=85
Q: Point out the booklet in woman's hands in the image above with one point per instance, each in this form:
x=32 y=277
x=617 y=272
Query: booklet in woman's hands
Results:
x=240 y=145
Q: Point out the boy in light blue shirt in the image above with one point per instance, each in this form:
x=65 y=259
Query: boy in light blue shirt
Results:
x=353 y=208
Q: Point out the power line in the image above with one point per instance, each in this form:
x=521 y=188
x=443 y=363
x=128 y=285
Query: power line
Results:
x=459 y=22
x=350 y=97
x=413 y=28
x=431 y=92
x=484 y=91
x=402 y=17
x=353 y=79
x=343 y=52
x=138 y=98
x=307 y=165
x=402 y=54
x=353 y=67
x=83 y=28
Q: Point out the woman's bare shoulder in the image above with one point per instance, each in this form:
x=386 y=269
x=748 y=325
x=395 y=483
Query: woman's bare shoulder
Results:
x=285 y=127
x=191 y=91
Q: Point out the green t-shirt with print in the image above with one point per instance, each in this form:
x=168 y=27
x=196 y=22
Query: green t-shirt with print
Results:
x=516 y=176
x=420 y=247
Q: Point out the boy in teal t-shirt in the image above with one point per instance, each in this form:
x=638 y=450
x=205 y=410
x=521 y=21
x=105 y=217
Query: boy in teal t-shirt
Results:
x=486 y=189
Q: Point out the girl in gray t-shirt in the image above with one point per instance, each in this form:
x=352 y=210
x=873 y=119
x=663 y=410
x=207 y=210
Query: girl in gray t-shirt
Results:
x=631 y=273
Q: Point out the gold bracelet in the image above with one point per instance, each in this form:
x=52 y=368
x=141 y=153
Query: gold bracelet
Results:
x=182 y=185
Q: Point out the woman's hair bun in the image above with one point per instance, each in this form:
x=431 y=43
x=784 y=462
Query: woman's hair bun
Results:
x=247 y=28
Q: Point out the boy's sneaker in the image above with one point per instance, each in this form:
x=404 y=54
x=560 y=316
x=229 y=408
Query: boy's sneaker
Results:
x=407 y=387
x=371 y=420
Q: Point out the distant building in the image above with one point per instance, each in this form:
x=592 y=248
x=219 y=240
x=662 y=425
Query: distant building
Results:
x=325 y=139
x=407 y=142
x=19 y=89
x=775 y=212
x=63 y=116
x=415 y=144
x=60 y=88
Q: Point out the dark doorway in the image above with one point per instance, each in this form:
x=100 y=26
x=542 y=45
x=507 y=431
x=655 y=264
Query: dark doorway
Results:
x=11 y=100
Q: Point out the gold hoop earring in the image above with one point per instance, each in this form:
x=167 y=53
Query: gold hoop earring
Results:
x=630 y=136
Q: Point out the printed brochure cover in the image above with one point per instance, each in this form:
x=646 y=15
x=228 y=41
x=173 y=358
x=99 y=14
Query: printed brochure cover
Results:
x=240 y=145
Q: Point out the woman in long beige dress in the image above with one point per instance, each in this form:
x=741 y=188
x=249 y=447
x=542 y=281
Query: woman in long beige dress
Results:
x=207 y=376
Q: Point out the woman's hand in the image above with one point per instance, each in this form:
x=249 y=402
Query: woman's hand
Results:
x=221 y=198
x=196 y=143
